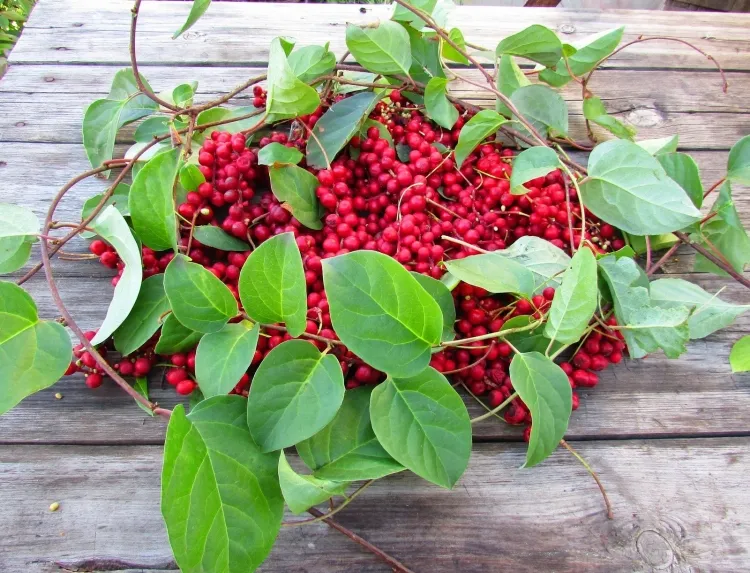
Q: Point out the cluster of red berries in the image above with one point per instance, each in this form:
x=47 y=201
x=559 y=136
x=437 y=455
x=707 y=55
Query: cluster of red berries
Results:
x=410 y=202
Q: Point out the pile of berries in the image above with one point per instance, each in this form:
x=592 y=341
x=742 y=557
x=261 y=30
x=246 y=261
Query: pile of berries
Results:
x=399 y=193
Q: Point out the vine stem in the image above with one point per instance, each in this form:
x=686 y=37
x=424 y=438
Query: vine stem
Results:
x=495 y=410
x=713 y=258
x=500 y=334
x=280 y=328
x=567 y=446
x=396 y=565
x=651 y=269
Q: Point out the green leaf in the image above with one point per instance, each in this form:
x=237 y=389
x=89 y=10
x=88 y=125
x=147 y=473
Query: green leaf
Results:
x=182 y=95
x=103 y=118
x=119 y=199
x=199 y=300
x=575 y=301
x=272 y=284
x=588 y=53
x=191 y=177
x=220 y=495
x=739 y=357
x=437 y=290
x=545 y=261
x=494 y=273
x=141 y=386
x=708 y=312
x=311 y=62
x=213 y=236
x=222 y=114
x=450 y=53
x=111 y=226
x=152 y=127
x=14 y=253
x=288 y=97
x=648 y=327
x=347 y=449
x=530 y=164
x=197 y=10
x=594 y=110
x=423 y=424
x=17 y=221
x=425 y=57
x=536 y=43
x=175 y=337
x=543 y=107
x=337 y=126
x=509 y=79
x=402 y=14
x=382 y=48
x=301 y=492
x=439 y=109
x=151 y=201
x=476 y=130
x=380 y=311
x=295 y=187
x=726 y=233
x=295 y=392
x=658 y=242
x=34 y=353
x=661 y=145
x=738 y=165
x=224 y=356
x=277 y=155
x=683 y=170
x=544 y=388
x=629 y=189
x=145 y=317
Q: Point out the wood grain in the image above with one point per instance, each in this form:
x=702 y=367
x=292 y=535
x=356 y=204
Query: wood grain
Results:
x=679 y=506
x=91 y=30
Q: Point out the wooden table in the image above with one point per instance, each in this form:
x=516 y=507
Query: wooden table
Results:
x=669 y=439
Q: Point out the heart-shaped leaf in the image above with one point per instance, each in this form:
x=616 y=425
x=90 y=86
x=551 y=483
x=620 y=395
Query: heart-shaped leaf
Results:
x=111 y=226
x=423 y=424
x=295 y=392
x=545 y=261
x=302 y=492
x=544 y=388
x=295 y=188
x=277 y=155
x=381 y=312
x=220 y=495
x=311 y=62
x=530 y=164
x=145 y=318
x=476 y=130
x=347 y=449
x=213 y=236
x=594 y=110
x=439 y=109
x=272 y=284
x=175 y=337
x=629 y=189
x=151 y=201
x=450 y=53
x=224 y=356
x=337 y=126
x=288 y=97
x=575 y=301
x=199 y=300
x=494 y=273
x=382 y=48
x=537 y=43
x=34 y=353
x=588 y=52
x=708 y=312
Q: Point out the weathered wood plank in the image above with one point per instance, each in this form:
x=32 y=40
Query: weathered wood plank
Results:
x=693 y=396
x=26 y=119
x=238 y=33
x=693 y=91
x=549 y=518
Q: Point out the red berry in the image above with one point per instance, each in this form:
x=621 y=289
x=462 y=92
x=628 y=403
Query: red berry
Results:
x=185 y=387
x=94 y=380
